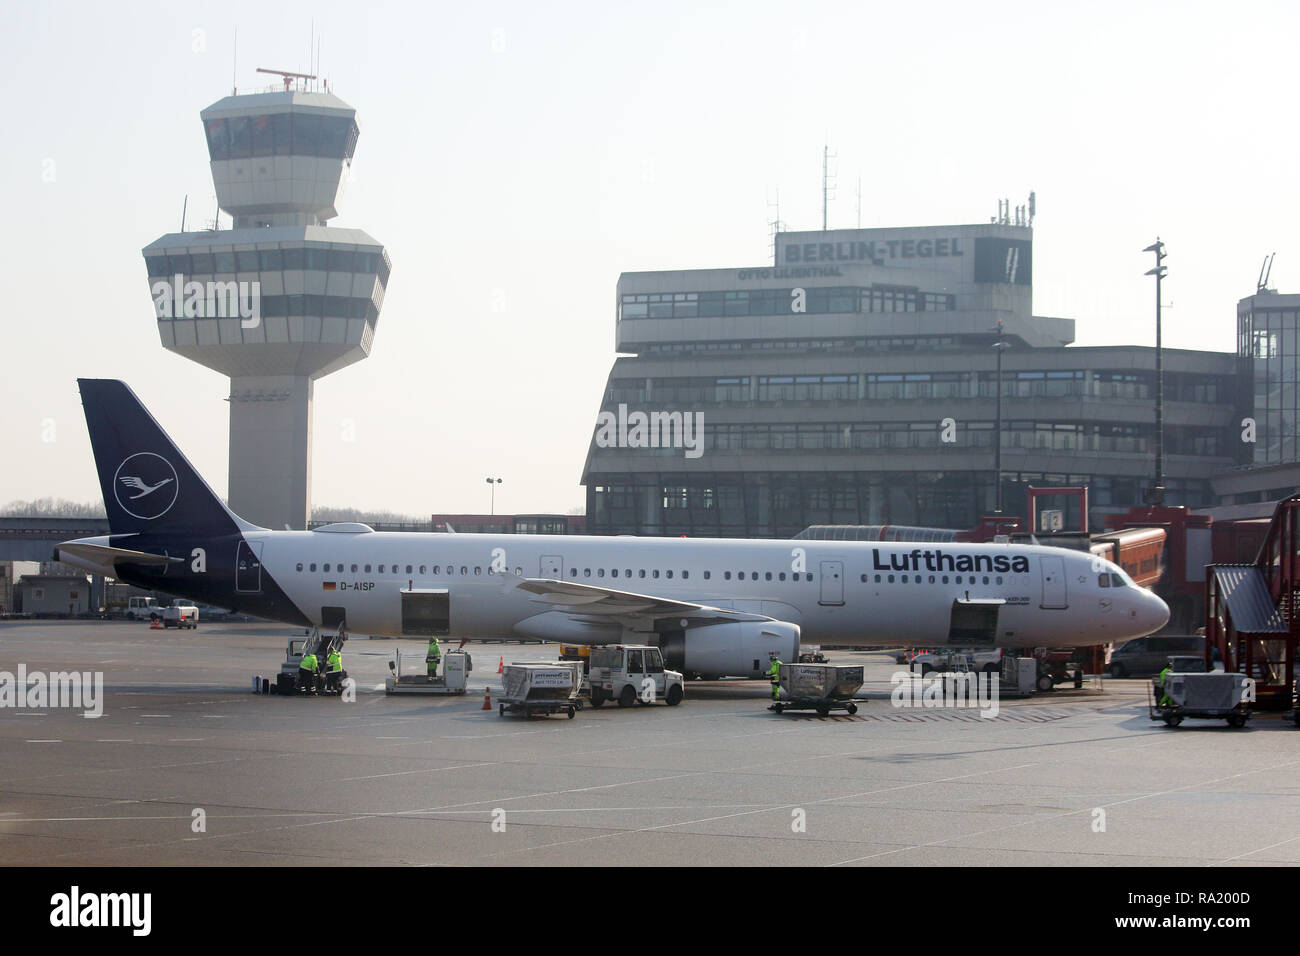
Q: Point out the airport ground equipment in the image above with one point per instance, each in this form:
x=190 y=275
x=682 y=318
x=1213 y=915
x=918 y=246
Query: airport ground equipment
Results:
x=811 y=654
x=319 y=642
x=142 y=609
x=819 y=687
x=1019 y=676
x=1211 y=696
x=629 y=673
x=456 y=666
x=181 y=615
x=540 y=689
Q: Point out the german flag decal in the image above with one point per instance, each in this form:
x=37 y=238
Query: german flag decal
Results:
x=328 y=585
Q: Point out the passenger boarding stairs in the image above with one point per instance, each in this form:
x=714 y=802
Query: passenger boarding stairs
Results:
x=1252 y=611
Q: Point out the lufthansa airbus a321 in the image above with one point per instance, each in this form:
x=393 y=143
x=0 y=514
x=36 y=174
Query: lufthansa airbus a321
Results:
x=715 y=606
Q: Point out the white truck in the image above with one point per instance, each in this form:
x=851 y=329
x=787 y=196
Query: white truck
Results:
x=142 y=609
x=629 y=673
x=180 y=615
x=988 y=660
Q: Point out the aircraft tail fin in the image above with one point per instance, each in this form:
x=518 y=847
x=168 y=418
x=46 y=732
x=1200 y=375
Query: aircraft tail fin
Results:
x=148 y=485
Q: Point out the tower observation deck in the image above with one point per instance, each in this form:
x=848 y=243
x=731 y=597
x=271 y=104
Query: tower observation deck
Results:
x=280 y=299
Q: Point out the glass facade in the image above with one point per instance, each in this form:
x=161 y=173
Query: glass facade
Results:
x=1270 y=340
x=781 y=504
x=690 y=305
x=281 y=134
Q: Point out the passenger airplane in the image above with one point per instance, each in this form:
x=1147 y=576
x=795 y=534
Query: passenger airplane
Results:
x=715 y=606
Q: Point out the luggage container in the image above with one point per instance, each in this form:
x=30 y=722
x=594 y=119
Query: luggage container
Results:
x=1210 y=696
x=819 y=687
x=540 y=689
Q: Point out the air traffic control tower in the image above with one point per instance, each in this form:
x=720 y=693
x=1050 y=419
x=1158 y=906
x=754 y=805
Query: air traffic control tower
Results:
x=278 y=300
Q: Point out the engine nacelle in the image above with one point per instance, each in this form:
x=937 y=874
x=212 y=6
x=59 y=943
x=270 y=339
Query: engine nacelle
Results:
x=741 y=649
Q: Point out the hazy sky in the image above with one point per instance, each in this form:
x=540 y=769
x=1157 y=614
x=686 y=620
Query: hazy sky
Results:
x=542 y=149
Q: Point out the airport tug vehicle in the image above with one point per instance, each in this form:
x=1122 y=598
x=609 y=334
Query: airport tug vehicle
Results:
x=632 y=673
x=819 y=687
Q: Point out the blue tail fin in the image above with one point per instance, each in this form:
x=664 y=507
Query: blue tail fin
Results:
x=148 y=485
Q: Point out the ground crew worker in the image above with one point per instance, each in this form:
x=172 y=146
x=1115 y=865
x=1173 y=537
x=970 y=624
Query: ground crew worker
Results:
x=1164 y=697
x=774 y=674
x=432 y=658
x=307 y=673
x=334 y=669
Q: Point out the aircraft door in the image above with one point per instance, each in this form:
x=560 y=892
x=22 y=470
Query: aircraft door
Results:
x=832 y=573
x=552 y=567
x=1053 y=571
x=248 y=567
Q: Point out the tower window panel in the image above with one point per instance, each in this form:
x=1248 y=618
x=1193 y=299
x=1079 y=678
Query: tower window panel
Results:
x=306 y=134
x=224 y=261
x=218 y=139
x=241 y=146
x=272 y=260
x=263 y=140
x=202 y=263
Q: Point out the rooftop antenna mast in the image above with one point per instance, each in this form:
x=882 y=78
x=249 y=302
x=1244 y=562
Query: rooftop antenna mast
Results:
x=287 y=76
x=234 y=66
x=859 y=202
x=1265 y=271
x=775 y=225
x=827 y=186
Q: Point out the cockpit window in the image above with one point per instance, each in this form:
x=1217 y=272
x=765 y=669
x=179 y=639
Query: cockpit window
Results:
x=1103 y=579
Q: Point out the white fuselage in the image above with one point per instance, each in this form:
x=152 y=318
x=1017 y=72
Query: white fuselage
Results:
x=851 y=593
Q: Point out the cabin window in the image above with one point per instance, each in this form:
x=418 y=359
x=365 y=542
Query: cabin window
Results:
x=600 y=572
x=685 y=575
x=408 y=569
x=707 y=575
x=810 y=576
x=313 y=567
x=299 y=565
x=654 y=573
x=367 y=569
x=586 y=572
x=463 y=570
x=641 y=573
x=932 y=579
x=327 y=567
x=478 y=569
x=726 y=575
x=767 y=576
x=986 y=579
x=753 y=575
x=891 y=579
x=354 y=569
x=668 y=574
x=381 y=569
x=627 y=572
x=878 y=579
x=573 y=572
x=904 y=578
x=781 y=576
x=864 y=579
x=613 y=573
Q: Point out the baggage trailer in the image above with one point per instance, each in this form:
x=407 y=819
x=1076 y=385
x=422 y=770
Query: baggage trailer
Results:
x=540 y=689
x=819 y=687
x=1211 y=696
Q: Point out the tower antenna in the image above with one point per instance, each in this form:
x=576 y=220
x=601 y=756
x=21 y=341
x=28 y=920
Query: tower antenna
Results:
x=827 y=156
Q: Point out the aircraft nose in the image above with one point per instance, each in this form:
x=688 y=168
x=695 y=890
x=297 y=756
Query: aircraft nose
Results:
x=1152 y=613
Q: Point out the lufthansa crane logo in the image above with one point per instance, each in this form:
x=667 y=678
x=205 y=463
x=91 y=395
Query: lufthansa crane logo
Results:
x=145 y=485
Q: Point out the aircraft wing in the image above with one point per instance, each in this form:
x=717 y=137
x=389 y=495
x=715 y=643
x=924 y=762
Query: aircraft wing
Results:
x=602 y=604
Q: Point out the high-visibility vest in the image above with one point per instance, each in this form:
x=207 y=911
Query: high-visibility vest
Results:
x=335 y=661
x=308 y=662
x=435 y=651
x=775 y=670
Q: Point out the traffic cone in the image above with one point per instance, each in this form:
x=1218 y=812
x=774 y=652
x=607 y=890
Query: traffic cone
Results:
x=501 y=665
x=487 y=699
x=156 y=624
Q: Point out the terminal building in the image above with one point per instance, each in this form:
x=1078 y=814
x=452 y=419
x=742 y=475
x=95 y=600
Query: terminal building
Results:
x=854 y=381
